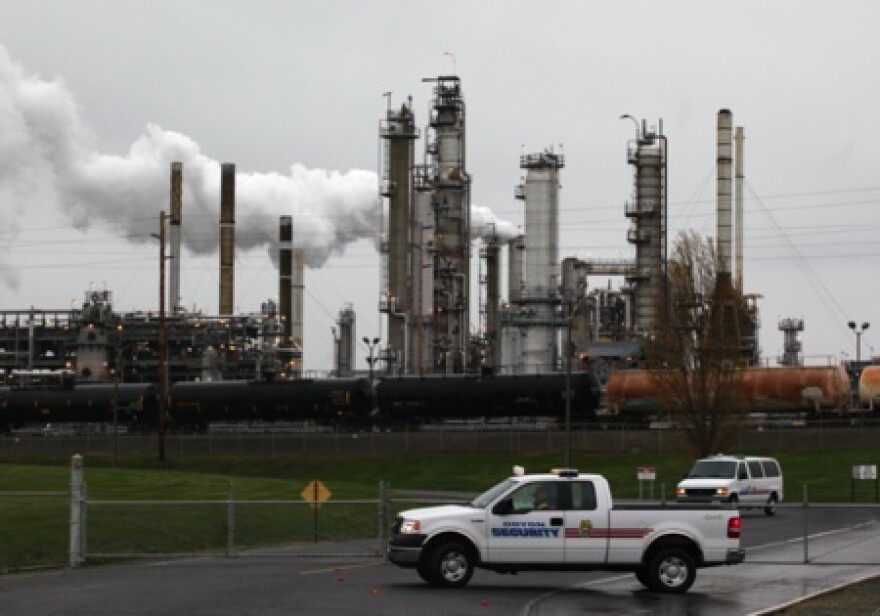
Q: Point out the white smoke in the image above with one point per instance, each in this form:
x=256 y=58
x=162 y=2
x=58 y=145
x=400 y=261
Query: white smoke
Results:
x=48 y=158
x=486 y=225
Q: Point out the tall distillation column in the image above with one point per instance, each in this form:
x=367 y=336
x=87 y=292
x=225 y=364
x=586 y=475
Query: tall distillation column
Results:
x=491 y=252
x=399 y=134
x=450 y=200
x=422 y=251
x=647 y=211
x=345 y=341
x=510 y=346
x=540 y=295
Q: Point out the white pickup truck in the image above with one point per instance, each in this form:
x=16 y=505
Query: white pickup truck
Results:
x=565 y=521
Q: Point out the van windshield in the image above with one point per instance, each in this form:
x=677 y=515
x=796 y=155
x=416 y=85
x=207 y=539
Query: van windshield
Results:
x=713 y=469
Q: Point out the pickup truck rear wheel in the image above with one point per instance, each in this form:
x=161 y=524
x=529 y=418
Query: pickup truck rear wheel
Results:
x=672 y=570
x=449 y=564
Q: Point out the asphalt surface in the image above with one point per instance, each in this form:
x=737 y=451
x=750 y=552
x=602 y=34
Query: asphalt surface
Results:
x=313 y=581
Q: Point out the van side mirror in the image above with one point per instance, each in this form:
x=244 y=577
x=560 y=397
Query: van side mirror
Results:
x=503 y=507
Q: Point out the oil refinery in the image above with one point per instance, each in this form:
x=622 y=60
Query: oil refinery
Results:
x=554 y=319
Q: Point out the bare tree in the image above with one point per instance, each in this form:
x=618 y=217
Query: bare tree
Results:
x=695 y=354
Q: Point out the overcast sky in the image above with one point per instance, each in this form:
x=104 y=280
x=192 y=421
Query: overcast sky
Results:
x=97 y=97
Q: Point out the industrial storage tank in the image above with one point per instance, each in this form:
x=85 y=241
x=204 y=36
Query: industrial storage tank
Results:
x=869 y=386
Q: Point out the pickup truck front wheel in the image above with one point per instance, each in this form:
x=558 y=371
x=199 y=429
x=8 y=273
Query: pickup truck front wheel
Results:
x=449 y=564
x=672 y=570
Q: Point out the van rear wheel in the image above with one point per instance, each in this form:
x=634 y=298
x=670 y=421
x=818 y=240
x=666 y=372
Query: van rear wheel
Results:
x=770 y=509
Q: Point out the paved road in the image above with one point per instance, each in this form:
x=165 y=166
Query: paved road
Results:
x=275 y=583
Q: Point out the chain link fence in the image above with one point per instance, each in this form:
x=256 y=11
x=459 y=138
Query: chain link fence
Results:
x=593 y=438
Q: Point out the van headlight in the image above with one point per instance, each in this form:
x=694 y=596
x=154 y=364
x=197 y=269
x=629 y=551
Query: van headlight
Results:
x=721 y=491
x=680 y=492
x=410 y=526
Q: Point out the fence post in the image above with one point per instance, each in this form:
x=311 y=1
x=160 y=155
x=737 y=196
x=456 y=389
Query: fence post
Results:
x=383 y=517
x=230 y=521
x=806 y=527
x=76 y=510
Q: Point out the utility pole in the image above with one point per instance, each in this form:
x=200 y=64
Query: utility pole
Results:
x=163 y=381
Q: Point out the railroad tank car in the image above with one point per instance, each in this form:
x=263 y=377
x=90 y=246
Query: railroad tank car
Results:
x=808 y=389
x=135 y=404
x=416 y=400
x=869 y=387
x=327 y=402
x=631 y=393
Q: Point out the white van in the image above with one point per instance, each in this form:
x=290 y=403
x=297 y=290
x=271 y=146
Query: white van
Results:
x=745 y=481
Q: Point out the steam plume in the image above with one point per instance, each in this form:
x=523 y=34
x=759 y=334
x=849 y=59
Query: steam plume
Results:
x=48 y=158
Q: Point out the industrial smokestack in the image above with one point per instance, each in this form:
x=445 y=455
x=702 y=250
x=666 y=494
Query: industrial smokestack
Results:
x=740 y=138
x=176 y=215
x=227 y=237
x=285 y=267
x=724 y=173
x=296 y=299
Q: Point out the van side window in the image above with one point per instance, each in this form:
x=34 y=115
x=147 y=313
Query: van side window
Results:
x=755 y=469
x=583 y=495
x=771 y=469
x=742 y=473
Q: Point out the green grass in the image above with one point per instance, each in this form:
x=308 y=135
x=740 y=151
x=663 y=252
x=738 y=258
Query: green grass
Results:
x=33 y=530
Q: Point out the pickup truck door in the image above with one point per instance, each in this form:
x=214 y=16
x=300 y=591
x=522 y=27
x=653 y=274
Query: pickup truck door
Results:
x=586 y=532
x=523 y=527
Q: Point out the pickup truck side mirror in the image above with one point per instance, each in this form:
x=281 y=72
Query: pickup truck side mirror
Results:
x=503 y=507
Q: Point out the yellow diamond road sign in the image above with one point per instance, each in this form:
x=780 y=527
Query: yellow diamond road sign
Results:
x=316 y=491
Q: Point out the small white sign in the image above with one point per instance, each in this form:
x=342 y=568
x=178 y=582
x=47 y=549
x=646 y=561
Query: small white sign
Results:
x=864 y=471
x=646 y=473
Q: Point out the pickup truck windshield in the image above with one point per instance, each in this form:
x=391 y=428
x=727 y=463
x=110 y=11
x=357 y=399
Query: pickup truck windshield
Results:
x=713 y=469
x=483 y=500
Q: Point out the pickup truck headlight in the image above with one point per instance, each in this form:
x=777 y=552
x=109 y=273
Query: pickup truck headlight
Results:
x=721 y=491
x=410 y=526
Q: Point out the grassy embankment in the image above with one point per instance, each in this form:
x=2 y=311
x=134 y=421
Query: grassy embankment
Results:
x=34 y=529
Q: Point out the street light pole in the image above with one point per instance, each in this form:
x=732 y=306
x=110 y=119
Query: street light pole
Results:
x=371 y=358
x=163 y=382
x=858 y=332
